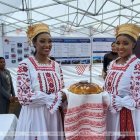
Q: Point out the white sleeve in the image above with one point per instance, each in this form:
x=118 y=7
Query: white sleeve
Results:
x=135 y=84
x=27 y=97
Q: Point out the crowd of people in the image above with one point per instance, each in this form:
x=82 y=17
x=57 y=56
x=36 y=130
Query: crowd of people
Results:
x=40 y=83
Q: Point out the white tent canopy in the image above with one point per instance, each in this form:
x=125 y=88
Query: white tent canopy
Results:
x=68 y=17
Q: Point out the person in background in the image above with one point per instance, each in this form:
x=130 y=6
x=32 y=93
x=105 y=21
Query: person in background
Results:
x=123 y=85
x=108 y=58
x=39 y=84
x=52 y=58
x=7 y=92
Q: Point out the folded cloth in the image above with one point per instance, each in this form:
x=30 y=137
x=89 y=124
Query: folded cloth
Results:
x=85 y=117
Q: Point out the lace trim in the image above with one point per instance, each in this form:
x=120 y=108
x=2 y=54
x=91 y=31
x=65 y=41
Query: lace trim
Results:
x=115 y=64
x=41 y=64
x=56 y=103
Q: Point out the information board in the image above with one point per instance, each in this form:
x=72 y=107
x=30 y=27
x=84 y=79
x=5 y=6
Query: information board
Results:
x=100 y=46
x=65 y=50
x=15 y=49
x=72 y=50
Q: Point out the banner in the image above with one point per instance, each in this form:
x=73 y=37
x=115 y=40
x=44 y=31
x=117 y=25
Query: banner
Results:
x=101 y=46
x=64 y=50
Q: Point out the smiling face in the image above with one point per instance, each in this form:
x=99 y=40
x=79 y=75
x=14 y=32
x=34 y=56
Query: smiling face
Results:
x=43 y=44
x=124 y=46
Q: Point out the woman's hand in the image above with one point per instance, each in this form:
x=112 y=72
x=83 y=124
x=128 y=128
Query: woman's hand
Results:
x=118 y=103
x=127 y=102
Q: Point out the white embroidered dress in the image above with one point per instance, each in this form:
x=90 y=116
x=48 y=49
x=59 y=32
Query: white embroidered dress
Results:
x=38 y=92
x=123 y=82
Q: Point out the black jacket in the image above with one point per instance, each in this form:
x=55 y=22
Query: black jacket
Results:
x=107 y=59
x=3 y=86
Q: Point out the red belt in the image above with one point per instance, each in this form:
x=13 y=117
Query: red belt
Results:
x=126 y=125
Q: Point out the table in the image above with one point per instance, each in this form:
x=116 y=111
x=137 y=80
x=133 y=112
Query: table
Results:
x=8 y=123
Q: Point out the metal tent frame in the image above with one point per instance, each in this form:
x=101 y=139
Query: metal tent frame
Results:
x=68 y=17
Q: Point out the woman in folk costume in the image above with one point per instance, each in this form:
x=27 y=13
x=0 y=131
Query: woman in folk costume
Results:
x=39 y=84
x=123 y=85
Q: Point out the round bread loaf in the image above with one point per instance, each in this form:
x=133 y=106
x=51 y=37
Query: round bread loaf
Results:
x=85 y=88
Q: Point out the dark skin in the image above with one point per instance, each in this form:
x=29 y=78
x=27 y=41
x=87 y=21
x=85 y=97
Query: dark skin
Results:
x=125 y=48
x=43 y=45
x=2 y=64
x=2 y=67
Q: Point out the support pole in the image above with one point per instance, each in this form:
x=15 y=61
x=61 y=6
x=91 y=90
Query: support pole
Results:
x=91 y=57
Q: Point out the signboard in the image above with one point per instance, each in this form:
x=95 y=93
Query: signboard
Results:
x=65 y=50
x=100 y=46
x=15 y=49
x=71 y=50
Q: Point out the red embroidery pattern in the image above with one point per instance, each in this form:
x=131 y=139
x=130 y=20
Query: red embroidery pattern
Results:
x=59 y=82
x=87 y=134
x=135 y=84
x=42 y=68
x=62 y=80
x=55 y=101
x=22 y=68
x=113 y=103
x=96 y=137
x=126 y=123
x=86 y=121
x=112 y=75
x=91 y=123
x=46 y=79
x=117 y=83
x=50 y=81
x=109 y=85
x=23 y=84
x=89 y=114
x=45 y=82
x=85 y=107
x=56 y=87
x=123 y=68
x=40 y=82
